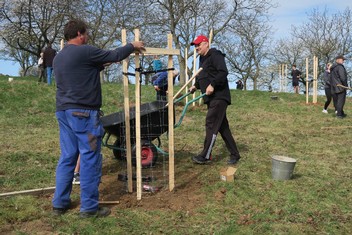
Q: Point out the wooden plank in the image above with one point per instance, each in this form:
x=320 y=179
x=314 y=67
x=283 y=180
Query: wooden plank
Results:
x=29 y=192
x=187 y=83
x=171 y=117
x=160 y=51
x=127 y=117
x=335 y=127
x=138 y=123
x=108 y=202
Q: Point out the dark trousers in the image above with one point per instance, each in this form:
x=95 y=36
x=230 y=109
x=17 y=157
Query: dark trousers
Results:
x=216 y=121
x=329 y=95
x=341 y=99
x=161 y=94
x=41 y=74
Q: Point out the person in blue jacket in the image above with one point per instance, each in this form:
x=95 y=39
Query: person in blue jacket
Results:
x=160 y=84
x=78 y=102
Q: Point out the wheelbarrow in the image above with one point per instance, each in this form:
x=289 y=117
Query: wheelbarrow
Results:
x=154 y=122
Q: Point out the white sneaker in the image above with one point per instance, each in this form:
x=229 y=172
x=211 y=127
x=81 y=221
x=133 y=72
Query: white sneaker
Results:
x=76 y=179
x=325 y=111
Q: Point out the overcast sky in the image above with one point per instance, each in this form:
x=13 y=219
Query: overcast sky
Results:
x=289 y=12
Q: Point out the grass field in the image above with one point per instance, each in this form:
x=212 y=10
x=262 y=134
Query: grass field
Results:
x=317 y=200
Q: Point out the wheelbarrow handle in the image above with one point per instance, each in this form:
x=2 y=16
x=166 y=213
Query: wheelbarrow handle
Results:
x=186 y=106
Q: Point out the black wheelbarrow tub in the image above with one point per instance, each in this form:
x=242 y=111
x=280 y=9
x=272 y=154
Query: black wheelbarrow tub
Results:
x=153 y=116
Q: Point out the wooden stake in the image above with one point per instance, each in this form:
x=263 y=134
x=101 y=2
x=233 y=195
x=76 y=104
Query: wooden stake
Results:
x=171 y=118
x=62 y=44
x=285 y=77
x=127 y=117
x=194 y=71
x=138 y=123
x=307 y=83
x=315 y=79
x=186 y=72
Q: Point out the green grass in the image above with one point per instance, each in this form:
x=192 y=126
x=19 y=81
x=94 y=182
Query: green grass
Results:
x=316 y=201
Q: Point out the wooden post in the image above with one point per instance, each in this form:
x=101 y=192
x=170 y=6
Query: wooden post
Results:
x=186 y=72
x=171 y=117
x=138 y=123
x=194 y=70
x=148 y=51
x=127 y=117
x=282 y=77
x=315 y=79
x=307 y=83
x=62 y=44
x=285 y=77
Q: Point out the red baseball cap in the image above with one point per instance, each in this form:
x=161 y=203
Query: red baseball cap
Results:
x=199 y=39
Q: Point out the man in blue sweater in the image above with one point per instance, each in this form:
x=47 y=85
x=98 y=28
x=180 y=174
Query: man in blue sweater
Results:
x=78 y=101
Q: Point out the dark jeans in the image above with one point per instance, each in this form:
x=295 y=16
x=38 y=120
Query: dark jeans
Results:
x=161 y=95
x=216 y=121
x=329 y=95
x=341 y=99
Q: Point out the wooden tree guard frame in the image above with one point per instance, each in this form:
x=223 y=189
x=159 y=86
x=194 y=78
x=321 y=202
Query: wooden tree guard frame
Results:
x=149 y=51
x=315 y=80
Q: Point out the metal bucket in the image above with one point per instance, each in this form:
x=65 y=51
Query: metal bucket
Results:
x=282 y=167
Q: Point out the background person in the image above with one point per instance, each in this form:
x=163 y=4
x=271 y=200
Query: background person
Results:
x=41 y=68
x=239 y=85
x=160 y=84
x=327 y=87
x=212 y=81
x=339 y=77
x=296 y=75
x=78 y=101
x=49 y=55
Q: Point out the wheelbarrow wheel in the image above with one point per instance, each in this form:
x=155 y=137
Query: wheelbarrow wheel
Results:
x=149 y=154
x=118 y=153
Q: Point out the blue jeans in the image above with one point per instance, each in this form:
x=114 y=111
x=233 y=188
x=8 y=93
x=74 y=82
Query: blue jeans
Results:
x=80 y=133
x=49 y=71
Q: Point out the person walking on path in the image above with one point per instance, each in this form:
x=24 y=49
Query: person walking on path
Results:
x=327 y=87
x=78 y=102
x=296 y=75
x=212 y=81
x=49 y=55
x=338 y=79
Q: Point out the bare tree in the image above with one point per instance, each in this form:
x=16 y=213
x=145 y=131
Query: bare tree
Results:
x=247 y=51
x=28 y=25
x=325 y=36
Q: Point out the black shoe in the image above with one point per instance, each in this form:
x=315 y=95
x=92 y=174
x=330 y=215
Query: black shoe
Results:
x=59 y=211
x=233 y=161
x=101 y=212
x=200 y=160
x=340 y=117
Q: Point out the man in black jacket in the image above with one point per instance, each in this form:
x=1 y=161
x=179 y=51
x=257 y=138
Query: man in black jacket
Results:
x=339 y=77
x=212 y=81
